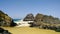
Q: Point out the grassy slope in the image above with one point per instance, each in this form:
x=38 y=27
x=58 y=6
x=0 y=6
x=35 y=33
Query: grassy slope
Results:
x=28 y=30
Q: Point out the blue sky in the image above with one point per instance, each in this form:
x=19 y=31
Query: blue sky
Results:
x=20 y=8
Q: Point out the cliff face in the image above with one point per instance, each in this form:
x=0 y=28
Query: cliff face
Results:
x=5 y=20
x=46 y=22
x=29 y=17
x=40 y=19
x=46 y=19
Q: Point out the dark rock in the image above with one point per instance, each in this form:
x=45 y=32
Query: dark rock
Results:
x=43 y=26
x=57 y=30
x=32 y=25
x=2 y=31
x=29 y=17
x=6 y=32
x=12 y=24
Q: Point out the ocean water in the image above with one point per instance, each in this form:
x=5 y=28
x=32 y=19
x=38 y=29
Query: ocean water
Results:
x=16 y=20
x=21 y=23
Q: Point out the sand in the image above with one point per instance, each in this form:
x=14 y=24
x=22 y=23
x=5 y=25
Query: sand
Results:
x=29 y=30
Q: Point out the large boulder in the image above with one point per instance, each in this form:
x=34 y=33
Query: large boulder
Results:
x=2 y=31
x=5 y=20
x=38 y=17
x=29 y=17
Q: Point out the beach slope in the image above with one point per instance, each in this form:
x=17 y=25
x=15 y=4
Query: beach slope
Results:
x=29 y=30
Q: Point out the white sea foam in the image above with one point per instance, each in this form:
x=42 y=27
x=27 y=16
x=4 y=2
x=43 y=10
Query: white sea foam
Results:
x=22 y=23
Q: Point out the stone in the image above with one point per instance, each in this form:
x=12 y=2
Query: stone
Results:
x=5 y=20
x=2 y=31
x=29 y=17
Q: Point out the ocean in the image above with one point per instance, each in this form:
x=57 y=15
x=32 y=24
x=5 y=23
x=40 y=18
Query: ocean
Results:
x=15 y=20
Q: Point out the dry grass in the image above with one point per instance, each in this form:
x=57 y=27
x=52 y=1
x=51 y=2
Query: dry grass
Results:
x=29 y=30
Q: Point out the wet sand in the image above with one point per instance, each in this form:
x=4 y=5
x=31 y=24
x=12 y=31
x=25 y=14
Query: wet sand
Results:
x=29 y=30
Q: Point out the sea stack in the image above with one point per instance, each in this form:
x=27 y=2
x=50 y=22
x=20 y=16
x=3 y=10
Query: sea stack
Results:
x=29 y=17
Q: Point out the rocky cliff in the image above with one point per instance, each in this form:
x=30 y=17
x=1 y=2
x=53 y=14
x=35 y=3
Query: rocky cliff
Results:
x=46 y=22
x=5 y=20
x=40 y=18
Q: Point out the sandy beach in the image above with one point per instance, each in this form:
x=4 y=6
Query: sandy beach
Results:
x=29 y=30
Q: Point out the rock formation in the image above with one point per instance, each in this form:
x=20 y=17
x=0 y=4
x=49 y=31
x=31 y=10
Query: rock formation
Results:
x=29 y=17
x=46 y=22
x=41 y=19
x=5 y=20
x=2 y=31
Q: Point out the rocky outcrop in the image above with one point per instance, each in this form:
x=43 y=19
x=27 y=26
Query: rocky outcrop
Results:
x=2 y=31
x=40 y=19
x=29 y=17
x=5 y=20
x=46 y=19
x=46 y=22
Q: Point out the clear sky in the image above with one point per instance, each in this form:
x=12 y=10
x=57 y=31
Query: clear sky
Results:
x=20 y=8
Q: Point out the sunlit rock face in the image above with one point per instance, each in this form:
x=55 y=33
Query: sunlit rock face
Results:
x=5 y=20
x=29 y=17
